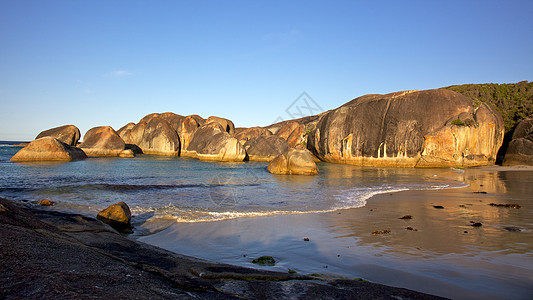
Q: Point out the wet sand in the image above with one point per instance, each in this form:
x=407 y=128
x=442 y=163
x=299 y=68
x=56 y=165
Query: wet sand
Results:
x=55 y=255
x=441 y=253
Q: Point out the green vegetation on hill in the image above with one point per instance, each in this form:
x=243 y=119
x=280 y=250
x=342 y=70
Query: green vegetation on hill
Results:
x=513 y=100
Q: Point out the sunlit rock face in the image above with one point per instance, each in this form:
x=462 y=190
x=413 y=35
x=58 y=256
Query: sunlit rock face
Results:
x=212 y=142
x=68 y=134
x=159 y=138
x=102 y=141
x=226 y=124
x=293 y=162
x=48 y=149
x=433 y=128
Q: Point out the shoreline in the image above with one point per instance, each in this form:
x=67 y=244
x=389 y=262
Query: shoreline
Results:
x=72 y=256
x=441 y=254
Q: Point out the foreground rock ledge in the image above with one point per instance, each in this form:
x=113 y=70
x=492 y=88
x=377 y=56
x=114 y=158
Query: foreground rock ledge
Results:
x=103 y=264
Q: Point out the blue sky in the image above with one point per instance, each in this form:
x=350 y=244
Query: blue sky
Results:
x=93 y=63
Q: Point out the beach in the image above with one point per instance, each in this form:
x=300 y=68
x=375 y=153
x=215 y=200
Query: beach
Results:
x=399 y=227
x=438 y=251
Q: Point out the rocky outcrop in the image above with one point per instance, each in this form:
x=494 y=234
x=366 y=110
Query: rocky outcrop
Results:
x=293 y=162
x=292 y=132
x=68 y=134
x=520 y=151
x=125 y=133
x=212 y=142
x=265 y=148
x=48 y=149
x=246 y=134
x=187 y=128
x=433 y=128
x=174 y=120
x=158 y=137
x=117 y=216
x=102 y=141
x=226 y=124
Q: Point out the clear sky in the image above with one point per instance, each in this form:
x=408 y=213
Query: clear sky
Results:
x=93 y=63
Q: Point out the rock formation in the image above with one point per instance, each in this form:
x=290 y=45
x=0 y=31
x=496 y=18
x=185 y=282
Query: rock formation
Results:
x=520 y=151
x=102 y=141
x=433 y=128
x=125 y=132
x=158 y=137
x=292 y=132
x=265 y=148
x=48 y=149
x=212 y=142
x=117 y=216
x=246 y=134
x=68 y=134
x=293 y=162
x=226 y=124
x=187 y=127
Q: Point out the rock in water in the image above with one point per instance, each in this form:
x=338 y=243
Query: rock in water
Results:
x=433 y=128
x=159 y=138
x=46 y=202
x=294 y=162
x=127 y=153
x=520 y=151
x=102 y=141
x=265 y=148
x=117 y=216
x=211 y=142
x=68 y=134
x=48 y=149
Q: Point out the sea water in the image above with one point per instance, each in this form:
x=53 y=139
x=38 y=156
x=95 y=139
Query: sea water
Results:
x=190 y=190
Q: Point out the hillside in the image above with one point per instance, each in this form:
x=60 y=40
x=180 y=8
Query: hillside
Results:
x=513 y=100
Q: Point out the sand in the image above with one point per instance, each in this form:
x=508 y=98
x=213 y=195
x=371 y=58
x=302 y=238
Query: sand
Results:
x=441 y=253
x=55 y=255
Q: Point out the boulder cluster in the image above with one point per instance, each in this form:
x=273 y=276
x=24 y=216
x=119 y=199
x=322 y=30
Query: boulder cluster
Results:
x=432 y=128
x=168 y=134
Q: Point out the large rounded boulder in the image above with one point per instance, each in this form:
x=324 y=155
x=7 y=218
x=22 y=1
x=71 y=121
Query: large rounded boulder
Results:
x=212 y=142
x=68 y=134
x=520 y=151
x=102 y=141
x=158 y=138
x=226 y=124
x=265 y=148
x=48 y=149
x=293 y=162
x=433 y=128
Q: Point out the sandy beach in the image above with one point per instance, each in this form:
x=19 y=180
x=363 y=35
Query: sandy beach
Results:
x=438 y=251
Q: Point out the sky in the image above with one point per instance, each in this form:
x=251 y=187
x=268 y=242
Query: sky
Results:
x=94 y=63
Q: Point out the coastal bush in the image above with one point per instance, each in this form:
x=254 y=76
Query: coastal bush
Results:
x=514 y=101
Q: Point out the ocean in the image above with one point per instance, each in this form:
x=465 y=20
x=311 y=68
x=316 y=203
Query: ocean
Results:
x=190 y=190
